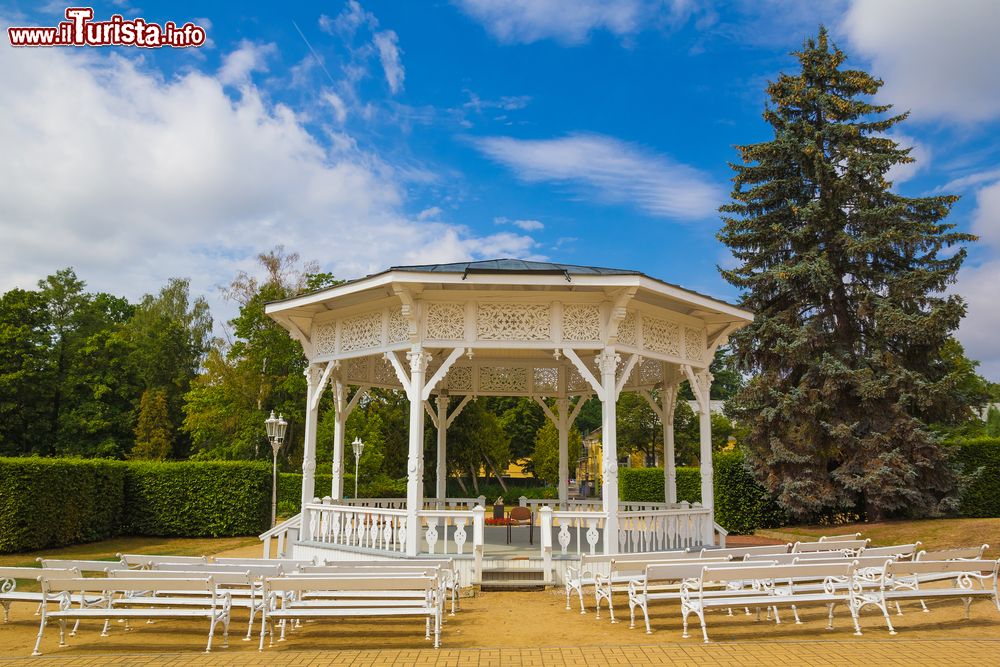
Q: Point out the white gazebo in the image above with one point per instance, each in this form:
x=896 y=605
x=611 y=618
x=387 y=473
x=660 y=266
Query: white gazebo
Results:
x=557 y=333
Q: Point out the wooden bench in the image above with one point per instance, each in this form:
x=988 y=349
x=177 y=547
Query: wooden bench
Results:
x=592 y=565
x=840 y=538
x=797 y=589
x=335 y=595
x=216 y=611
x=653 y=584
x=739 y=553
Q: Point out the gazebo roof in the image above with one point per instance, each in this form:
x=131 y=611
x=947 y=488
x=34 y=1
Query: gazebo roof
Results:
x=516 y=266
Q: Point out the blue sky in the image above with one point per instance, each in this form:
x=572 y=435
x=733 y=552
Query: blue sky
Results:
x=364 y=134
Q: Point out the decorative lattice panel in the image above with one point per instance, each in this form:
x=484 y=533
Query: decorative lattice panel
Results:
x=459 y=378
x=575 y=381
x=546 y=379
x=661 y=336
x=361 y=332
x=513 y=321
x=650 y=372
x=325 y=338
x=399 y=331
x=581 y=323
x=446 y=321
x=694 y=343
x=504 y=379
x=356 y=369
x=626 y=330
x=385 y=374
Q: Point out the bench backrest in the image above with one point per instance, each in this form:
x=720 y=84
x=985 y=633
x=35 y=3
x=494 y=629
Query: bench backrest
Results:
x=964 y=553
x=337 y=583
x=32 y=573
x=896 y=550
x=862 y=561
x=657 y=572
x=287 y=563
x=588 y=559
x=788 y=559
x=744 y=572
x=906 y=568
x=209 y=568
x=220 y=578
x=82 y=565
x=148 y=560
x=742 y=552
x=446 y=564
x=626 y=567
x=126 y=584
x=840 y=538
x=842 y=545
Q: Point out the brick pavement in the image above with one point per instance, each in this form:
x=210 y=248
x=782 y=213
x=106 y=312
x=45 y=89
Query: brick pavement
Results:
x=901 y=652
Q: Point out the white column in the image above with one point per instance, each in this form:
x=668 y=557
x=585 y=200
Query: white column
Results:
x=442 y=448
x=415 y=459
x=340 y=424
x=668 y=396
x=608 y=363
x=312 y=374
x=562 y=404
x=704 y=395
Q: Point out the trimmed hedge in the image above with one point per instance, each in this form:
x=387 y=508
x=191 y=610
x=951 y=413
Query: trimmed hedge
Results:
x=56 y=502
x=741 y=504
x=197 y=499
x=979 y=460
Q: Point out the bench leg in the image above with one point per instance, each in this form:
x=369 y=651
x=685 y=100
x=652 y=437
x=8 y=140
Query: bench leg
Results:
x=579 y=592
x=829 y=617
x=777 y=619
x=6 y=610
x=597 y=600
x=569 y=590
x=631 y=612
x=968 y=603
x=38 y=640
x=795 y=613
x=437 y=630
x=62 y=632
x=263 y=629
x=211 y=633
x=427 y=628
x=225 y=631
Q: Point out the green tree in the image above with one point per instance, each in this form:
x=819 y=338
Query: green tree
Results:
x=476 y=440
x=847 y=280
x=639 y=428
x=687 y=434
x=25 y=374
x=520 y=418
x=545 y=454
x=153 y=431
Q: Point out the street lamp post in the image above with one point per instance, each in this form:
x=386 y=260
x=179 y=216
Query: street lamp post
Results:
x=358 y=447
x=276 y=436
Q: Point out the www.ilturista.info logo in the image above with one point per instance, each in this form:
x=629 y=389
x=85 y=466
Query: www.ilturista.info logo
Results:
x=79 y=29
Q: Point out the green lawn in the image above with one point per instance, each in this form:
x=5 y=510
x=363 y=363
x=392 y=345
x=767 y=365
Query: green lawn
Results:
x=106 y=549
x=932 y=533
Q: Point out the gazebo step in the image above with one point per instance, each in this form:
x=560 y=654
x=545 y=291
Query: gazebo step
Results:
x=511 y=579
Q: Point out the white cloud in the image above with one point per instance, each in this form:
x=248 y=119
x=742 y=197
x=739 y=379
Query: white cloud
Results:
x=986 y=218
x=939 y=59
x=133 y=178
x=387 y=43
x=572 y=21
x=336 y=102
x=241 y=63
x=431 y=213
x=526 y=225
x=608 y=170
x=920 y=152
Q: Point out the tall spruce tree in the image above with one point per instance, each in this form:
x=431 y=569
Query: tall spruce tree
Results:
x=847 y=281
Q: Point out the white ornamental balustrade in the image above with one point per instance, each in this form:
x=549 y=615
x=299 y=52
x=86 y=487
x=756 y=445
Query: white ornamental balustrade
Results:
x=663 y=529
x=380 y=503
x=579 y=527
x=371 y=528
x=446 y=531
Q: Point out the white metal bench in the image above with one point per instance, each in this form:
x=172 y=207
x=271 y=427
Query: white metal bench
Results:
x=840 y=538
x=738 y=553
x=217 y=610
x=444 y=569
x=663 y=580
x=954 y=553
x=592 y=565
x=147 y=561
x=332 y=595
x=9 y=594
x=81 y=565
x=901 y=581
x=772 y=586
x=621 y=572
x=852 y=547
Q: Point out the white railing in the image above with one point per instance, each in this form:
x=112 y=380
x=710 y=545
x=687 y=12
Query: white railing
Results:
x=400 y=503
x=381 y=503
x=580 y=526
x=445 y=532
x=287 y=532
x=379 y=529
x=454 y=503
x=663 y=530
x=569 y=506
